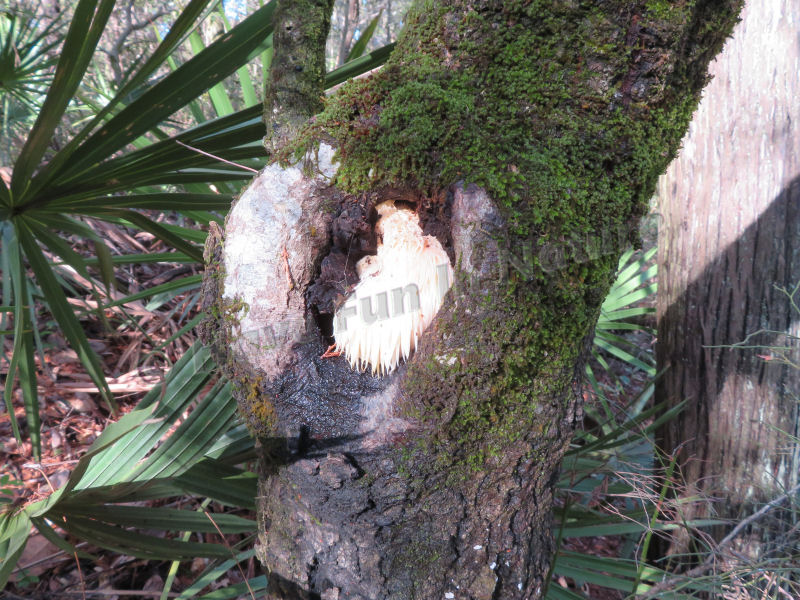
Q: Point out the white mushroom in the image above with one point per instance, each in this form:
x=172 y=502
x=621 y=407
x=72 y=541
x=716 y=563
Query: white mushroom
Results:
x=399 y=292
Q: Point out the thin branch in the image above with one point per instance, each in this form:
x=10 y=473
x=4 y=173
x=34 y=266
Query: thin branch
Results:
x=756 y=516
x=216 y=157
x=113 y=53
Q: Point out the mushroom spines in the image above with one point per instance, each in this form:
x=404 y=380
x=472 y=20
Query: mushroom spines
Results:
x=399 y=293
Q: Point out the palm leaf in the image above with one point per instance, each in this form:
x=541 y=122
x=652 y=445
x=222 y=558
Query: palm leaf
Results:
x=633 y=284
x=85 y=29
x=132 y=461
x=61 y=310
x=246 y=82
x=87 y=176
x=194 y=77
x=360 y=44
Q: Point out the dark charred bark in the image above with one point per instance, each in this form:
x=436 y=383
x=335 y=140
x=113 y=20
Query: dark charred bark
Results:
x=514 y=129
x=729 y=260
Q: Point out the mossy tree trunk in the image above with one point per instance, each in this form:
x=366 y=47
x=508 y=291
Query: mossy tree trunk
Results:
x=529 y=137
x=728 y=243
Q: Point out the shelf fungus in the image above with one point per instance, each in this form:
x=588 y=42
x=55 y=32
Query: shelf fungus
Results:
x=399 y=292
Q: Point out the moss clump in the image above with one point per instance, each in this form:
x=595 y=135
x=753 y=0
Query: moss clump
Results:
x=230 y=311
x=546 y=105
x=509 y=382
x=566 y=112
x=257 y=411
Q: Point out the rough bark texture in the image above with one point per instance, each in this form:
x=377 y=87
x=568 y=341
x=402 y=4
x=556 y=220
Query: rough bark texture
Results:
x=728 y=239
x=437 y=481
x=295 y=87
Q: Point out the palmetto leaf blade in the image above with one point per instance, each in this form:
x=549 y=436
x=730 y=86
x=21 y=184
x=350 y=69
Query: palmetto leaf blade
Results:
x=14 y=533
x=138 y=544
x=85 y=29
x=173 y=92
x=61 y=310
x=176 y=33
x=165 y=519
x=361 y=43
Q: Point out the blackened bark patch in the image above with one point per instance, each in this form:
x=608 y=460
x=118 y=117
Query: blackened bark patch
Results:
x=352 y=237
x=337 y=275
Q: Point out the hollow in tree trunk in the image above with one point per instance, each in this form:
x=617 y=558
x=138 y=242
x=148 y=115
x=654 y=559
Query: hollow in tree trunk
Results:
x=526 y=138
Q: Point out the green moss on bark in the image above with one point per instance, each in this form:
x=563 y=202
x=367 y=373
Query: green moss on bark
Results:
x=508 y=384
x=551 y=106
x=566 y=112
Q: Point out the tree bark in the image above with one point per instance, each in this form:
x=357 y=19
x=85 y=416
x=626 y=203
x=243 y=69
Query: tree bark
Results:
x=294 y=90
x=728 y=241
x=348 y=30
x=517 y=131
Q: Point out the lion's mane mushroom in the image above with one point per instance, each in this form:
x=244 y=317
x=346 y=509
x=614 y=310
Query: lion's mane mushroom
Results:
x=399 y=292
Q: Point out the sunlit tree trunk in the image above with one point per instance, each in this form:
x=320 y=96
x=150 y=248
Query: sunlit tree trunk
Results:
x=729 y=258
x=519 y=132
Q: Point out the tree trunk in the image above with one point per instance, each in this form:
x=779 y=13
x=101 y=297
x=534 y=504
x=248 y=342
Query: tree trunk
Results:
x=517 y=132
x=388 y=21
x=728 y=243
x=293 y=91
x=348 y=29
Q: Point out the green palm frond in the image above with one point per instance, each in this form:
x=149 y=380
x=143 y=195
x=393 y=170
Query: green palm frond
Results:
x=360 y=45
x=120 y=167
x=26 y=61
x=145 y=456
x=634 y=283
x=608 y=488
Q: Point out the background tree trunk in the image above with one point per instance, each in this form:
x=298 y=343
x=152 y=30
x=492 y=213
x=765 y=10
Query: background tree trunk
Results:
x=348 y=29
x=728 y=241
x=436 y=481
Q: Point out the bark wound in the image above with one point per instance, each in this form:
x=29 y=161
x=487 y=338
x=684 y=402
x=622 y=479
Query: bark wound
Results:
x=348 y=507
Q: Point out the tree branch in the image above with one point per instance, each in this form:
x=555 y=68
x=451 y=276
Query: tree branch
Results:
x=295 y=88
x=350 y=24
x=122 y=38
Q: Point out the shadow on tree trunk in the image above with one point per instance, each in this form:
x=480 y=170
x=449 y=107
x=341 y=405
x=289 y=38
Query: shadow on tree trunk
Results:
x=720 y=338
